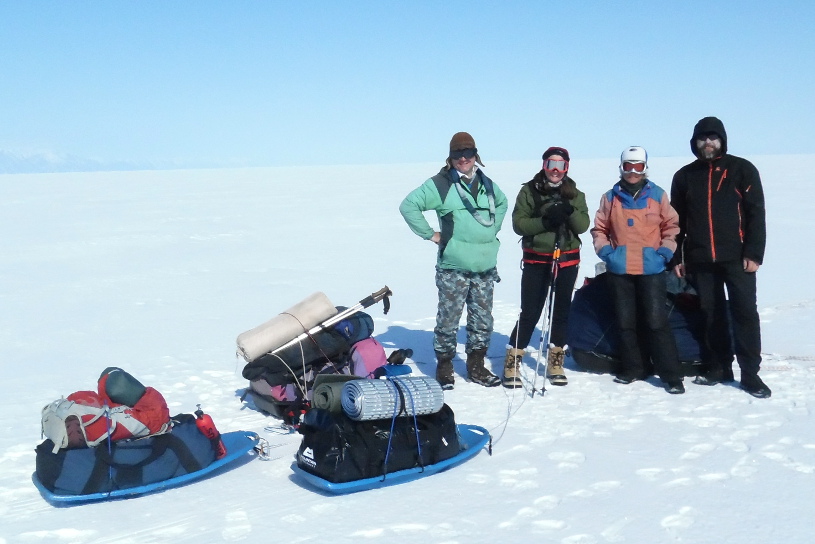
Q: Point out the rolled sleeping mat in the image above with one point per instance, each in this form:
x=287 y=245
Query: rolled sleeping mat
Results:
x=326 y=393
x=286 y=326
x=328 y=396
x=363 y=400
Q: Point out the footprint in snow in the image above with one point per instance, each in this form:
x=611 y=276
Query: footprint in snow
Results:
x=697 y=451
x=550 y=524
x=682 y=520
x=650 y=474
x=567 y=459
x=547 y=502
x=579 y=539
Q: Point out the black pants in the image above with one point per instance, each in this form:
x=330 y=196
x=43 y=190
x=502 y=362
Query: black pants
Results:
x=535 y=280
x=709 y=280
x=640 y=307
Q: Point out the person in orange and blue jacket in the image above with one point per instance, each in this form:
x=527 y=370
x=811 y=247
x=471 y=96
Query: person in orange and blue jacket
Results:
x=635 y=233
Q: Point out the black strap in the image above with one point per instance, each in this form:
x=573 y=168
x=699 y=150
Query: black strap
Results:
x=443 y=184
x=133 y=472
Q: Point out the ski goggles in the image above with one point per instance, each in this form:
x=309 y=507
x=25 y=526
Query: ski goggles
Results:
x=633 y=167
x=555 y=164
x=463 y=154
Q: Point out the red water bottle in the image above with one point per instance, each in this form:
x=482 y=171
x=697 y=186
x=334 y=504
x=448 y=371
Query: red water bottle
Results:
x=208 y=429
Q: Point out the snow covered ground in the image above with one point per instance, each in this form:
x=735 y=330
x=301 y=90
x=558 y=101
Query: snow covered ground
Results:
x=158 y=272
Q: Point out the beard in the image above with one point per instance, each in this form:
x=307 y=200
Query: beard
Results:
x=709 y=150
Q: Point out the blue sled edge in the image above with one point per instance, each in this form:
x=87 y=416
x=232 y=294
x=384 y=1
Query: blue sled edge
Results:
x=237 y=444
x=472 y=439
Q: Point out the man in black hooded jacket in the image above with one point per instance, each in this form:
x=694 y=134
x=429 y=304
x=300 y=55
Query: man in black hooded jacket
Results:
x=720 y=203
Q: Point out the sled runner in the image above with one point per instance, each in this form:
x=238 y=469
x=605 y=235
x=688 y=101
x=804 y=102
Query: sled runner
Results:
x=472 y=440
x=238 y=444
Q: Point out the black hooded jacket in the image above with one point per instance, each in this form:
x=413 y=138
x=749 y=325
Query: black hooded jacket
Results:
x=720 y=205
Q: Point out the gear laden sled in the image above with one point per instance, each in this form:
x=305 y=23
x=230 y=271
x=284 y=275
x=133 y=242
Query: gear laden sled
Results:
x=119 y=441
x=472 y=439
x=239 y=445
x=383 y=432
x=593 y=337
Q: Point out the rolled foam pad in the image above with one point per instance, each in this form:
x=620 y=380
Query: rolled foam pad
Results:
x=285 y=327
x=380 y=399
x=328 y=396
x=327 y=391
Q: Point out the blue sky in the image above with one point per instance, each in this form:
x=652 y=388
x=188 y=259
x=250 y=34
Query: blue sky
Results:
x=249 y=83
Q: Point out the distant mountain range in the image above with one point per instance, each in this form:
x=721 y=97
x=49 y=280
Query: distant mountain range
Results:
x=12 y=162
x=31 y=163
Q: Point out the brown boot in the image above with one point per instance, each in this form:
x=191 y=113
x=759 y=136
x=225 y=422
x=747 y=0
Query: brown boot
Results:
x=512 y=368
x=478 y=372
x=444 y=370
x=554 y=366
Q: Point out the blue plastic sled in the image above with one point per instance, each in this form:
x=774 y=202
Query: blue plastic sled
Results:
x=472 y=439
x=237 y=443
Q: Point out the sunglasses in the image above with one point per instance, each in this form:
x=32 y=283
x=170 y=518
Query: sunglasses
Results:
x=555 y=164
x=712 y=136
x=633 y=167
x=463 y=154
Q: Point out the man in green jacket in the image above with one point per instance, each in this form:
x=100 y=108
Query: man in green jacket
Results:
x=470 y=209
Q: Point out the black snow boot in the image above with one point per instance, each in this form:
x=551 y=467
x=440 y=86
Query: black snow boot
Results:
x=753 y=385
x=626 y=378
x=444 y=370
x=478 y=372
x=714 y=376
x=675 y=387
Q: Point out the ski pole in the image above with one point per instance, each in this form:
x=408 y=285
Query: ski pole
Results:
x=546 y=318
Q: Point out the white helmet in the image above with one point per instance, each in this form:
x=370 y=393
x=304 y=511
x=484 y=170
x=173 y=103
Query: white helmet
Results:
x=636 y=155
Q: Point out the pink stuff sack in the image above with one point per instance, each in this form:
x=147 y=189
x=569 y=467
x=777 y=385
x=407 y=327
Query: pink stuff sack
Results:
x=366 y=357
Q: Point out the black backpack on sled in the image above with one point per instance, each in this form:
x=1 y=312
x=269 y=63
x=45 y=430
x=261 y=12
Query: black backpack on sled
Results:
x=339 y=449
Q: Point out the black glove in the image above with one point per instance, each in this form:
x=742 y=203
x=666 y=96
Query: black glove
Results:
x=557 y=214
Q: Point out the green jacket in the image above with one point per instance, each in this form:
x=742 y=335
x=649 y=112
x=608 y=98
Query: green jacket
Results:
x=526 y=216
x=465 y=243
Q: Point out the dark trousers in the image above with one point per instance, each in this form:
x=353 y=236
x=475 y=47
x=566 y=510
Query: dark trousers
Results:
x=640 y=307
x=535 y=280
x=709 y=280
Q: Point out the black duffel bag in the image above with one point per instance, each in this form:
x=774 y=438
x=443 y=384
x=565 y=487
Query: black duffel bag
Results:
x=339 y=449
x=129 y=463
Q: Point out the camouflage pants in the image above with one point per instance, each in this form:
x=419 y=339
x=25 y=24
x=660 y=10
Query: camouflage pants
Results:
x=457 y=288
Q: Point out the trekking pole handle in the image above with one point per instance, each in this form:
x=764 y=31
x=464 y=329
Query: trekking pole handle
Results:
x=382 y=294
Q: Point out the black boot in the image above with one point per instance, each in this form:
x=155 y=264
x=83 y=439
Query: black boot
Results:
x=444 y=370
x=713 y=376
x=752 y=384
x=478 y=372
x=675 y=387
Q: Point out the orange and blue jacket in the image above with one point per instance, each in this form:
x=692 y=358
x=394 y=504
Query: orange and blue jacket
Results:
x=635 y=234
